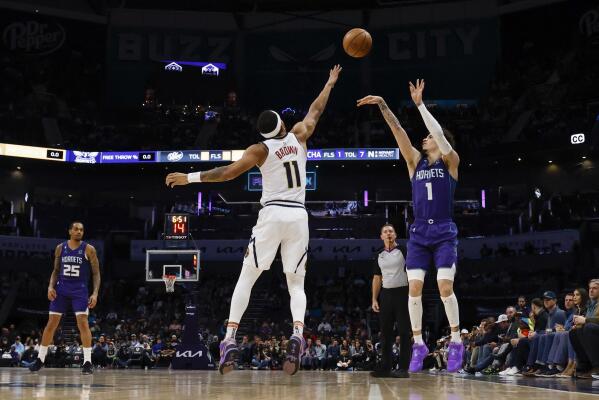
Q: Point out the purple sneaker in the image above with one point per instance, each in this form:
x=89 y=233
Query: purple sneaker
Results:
x=228 y=354
x=455 y=356
x=295 y=347
x=419 y=352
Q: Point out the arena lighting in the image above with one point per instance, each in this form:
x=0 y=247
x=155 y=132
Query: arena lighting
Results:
x=519 y=159
x=199 y=203
x=366 y=198
x=483 y=198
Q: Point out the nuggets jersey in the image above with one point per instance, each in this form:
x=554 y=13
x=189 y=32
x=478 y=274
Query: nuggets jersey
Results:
x=74 y=265
x=432 y=191
x=284 y=171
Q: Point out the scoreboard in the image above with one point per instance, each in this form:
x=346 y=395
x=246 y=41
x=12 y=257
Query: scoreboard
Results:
x=183 y=156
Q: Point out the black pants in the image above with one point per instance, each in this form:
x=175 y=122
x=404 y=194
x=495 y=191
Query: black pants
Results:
x=585 y=341
x=394 y=310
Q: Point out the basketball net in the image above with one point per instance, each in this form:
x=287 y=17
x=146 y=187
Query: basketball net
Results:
x=169 y=282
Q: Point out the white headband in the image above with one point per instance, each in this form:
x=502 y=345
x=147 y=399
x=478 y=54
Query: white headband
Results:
x=275 y=131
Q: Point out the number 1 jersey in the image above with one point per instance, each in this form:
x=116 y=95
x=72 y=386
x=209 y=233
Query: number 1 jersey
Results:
x=432 y=191
x=284 y=171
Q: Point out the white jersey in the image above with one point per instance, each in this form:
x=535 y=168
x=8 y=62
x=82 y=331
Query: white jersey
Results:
x=284 y=171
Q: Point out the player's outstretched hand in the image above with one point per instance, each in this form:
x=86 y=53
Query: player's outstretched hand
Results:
x=51 y=294
x=370 y=99
x=334 y=74
x=93 y=299
x=416 y=91
x=176 y=179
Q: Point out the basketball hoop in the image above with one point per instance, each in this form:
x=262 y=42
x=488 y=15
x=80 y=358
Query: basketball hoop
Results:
x=169 y=282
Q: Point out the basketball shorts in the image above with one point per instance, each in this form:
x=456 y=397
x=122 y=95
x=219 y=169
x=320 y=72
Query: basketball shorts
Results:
x=74 y=296
x=286 y=226
x=432 y=243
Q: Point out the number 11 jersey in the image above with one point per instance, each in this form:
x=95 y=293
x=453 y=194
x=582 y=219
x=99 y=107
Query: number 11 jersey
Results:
x=284 y=171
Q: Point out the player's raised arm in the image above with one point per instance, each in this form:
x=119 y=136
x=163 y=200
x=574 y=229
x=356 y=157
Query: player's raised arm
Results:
x=409 y=153
x=434 y=128
x=253 y=156
x=92 y=255
x=304 y=129
x=55 y=273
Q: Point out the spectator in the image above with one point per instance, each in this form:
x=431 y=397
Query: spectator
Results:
x=307 y=358
x=324 y=328
x=100 y=353
x=584 y=336
x=521 y=307
x=245 y=352
x=555 y=316
x=333 y=354
x=19 y=348
x=29 y=355
x=320 y=351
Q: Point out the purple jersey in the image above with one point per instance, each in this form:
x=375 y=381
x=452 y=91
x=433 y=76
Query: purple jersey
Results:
x=74 y=265
x=432 y=191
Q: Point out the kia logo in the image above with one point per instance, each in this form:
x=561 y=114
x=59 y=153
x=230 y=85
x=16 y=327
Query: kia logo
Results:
x=577 y=138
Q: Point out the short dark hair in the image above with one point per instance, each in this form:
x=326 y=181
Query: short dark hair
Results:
x=267 y=121
x=537 y=302
x=73 y=223
x=387 y=225
x=449 y=136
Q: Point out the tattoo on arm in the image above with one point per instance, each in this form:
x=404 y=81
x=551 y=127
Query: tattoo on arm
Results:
x=55 y=270
x=389 y=116
x=95 y=264
x=215 y=175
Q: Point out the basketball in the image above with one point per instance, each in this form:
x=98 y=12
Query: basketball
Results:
x=357 y=42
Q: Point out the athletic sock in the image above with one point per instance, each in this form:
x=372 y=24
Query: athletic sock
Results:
x=42 y=353
x=415 y=310
x=298 y=328
x=455 y=337
x=87 y=354
x=231 y=331
x=418 y=339
x=452 y=311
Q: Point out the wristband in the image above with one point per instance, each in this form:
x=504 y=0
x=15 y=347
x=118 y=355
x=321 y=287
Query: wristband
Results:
x=194 y=177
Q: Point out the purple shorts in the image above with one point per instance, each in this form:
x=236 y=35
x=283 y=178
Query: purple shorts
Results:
x=430 y=243
x=75 y=295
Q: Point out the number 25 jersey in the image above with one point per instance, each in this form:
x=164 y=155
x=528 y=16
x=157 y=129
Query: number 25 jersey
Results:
x=74 y=266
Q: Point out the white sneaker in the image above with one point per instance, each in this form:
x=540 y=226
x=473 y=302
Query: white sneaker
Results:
x=478 y=374
x=513 y=371
x=504 y=372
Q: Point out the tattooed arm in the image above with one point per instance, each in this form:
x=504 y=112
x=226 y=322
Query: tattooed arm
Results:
x=408 y=152
x=55 y=273
x=91 y=254
x=254 y=155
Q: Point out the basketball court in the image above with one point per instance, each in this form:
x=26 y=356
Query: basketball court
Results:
x=166 y=384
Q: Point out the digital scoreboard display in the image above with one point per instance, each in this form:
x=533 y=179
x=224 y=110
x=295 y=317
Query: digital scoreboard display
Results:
x=176 y=226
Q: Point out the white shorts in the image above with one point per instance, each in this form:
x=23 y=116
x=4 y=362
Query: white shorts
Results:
x=278 y=225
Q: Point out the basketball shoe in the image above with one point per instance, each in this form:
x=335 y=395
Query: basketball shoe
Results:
x=228 y=354
x=295 y=347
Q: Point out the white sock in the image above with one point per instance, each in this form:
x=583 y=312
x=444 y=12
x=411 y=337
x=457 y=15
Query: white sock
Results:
x=231 y=331
x=42 y=353
x=298 y=328
x=242 y=292
x=87 y=354
x=455 y=337
x=415 y=309
x=453 y=313
x=418 y=339
x=297 y=302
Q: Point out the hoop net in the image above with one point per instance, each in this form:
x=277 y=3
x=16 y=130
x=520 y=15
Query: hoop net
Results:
x=169 y=282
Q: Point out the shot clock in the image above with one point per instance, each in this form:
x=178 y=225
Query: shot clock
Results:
x=176 y=226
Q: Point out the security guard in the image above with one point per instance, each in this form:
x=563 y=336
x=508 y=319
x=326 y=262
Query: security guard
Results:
x=390 y=273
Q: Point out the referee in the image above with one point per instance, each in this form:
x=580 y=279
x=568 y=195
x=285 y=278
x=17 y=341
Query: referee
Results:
x=390 y=273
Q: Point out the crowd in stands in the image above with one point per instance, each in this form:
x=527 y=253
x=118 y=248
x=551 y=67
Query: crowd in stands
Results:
x=143 y=328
